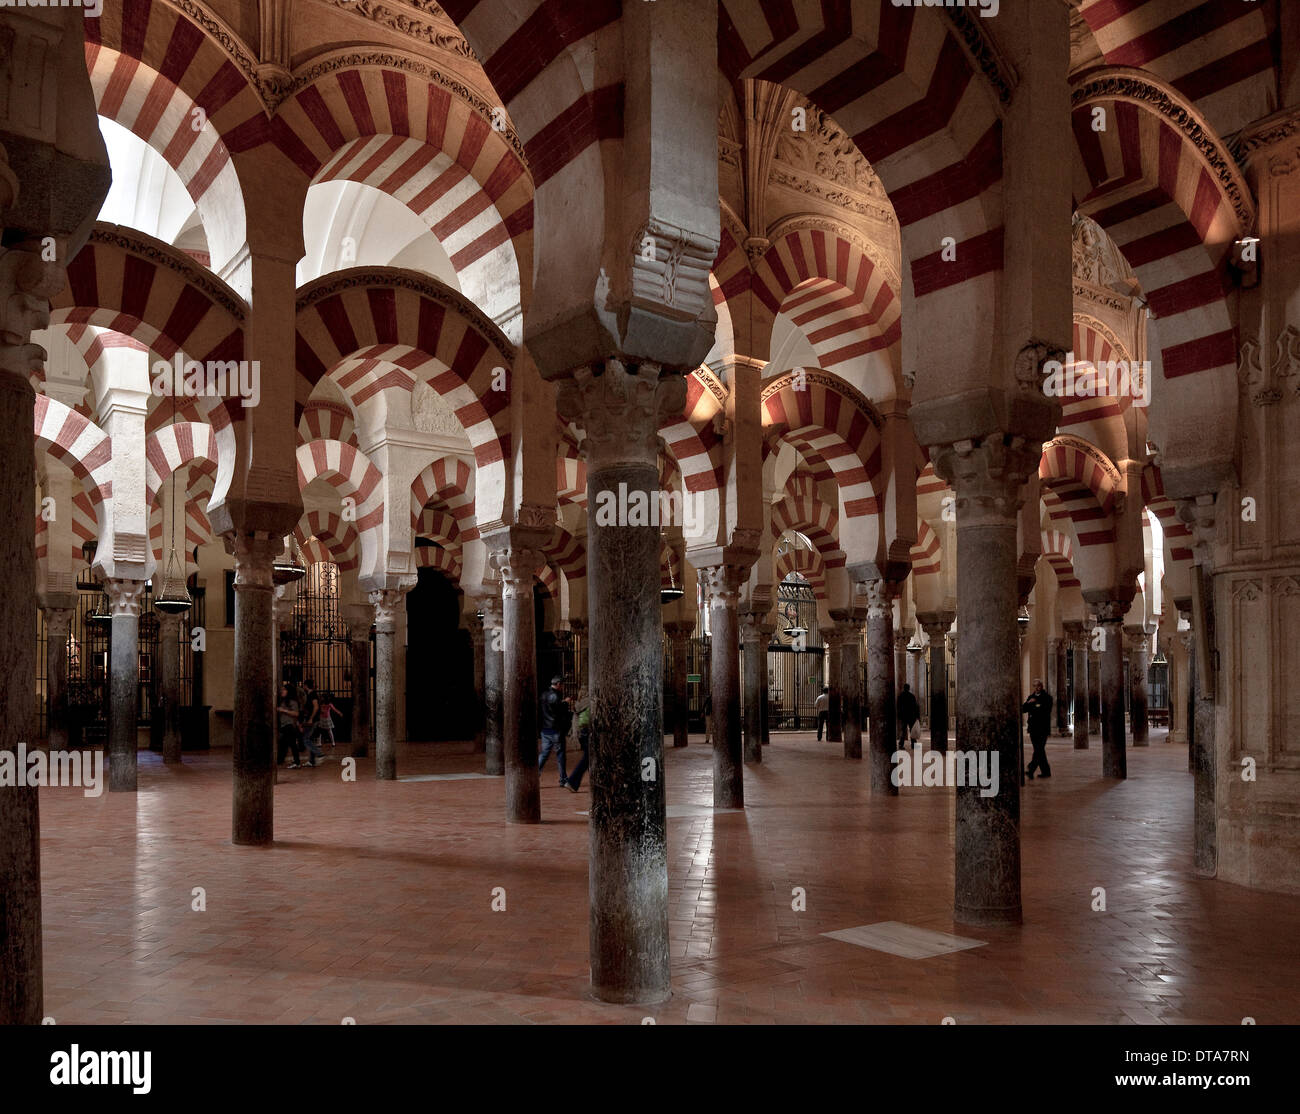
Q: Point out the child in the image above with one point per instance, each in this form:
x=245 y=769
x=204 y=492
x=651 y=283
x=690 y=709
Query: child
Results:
x=325 y=724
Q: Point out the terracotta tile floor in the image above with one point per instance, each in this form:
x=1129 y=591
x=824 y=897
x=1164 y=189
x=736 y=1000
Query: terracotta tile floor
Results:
x=375 y=903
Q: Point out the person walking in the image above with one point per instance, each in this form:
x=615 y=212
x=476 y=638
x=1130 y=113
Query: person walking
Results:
x=1039 y=707
x=583 y=709
x=822 y=706
x=909 y=718
x=287 y=709
x=325 y=723
x=310 y=720
x=707 y=711
x=556 y=716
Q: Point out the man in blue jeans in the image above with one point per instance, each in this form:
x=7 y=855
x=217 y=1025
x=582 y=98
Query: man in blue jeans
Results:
x=556 y=717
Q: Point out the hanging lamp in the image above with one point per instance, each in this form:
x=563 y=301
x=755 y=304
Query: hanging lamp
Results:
x=288 y=567
x=673 y=591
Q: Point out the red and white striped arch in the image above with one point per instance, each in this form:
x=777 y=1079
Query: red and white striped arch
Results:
x=832 y=432
x=568 y=554
x=325 y=536
x=899 y=82
x=443 y=560
x=695 y=444
x=815 y=520
x=570 y=469
x=806 y=563
x=447 y=483
x=378 y=329
x=1153 y=192
x=1178 y=534
x=1094 y=346
x=927 y=552
x=1058 y=550
x=835 y=293
x=1076 y=488
x=1218 y=56
x=132 y=94
x=322 y=420
x=351 y=473
x=77 y=442
x=174 y=446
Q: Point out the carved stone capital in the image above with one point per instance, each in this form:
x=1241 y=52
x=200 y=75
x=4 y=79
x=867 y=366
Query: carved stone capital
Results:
x=254 y=554
x=474 y=625
x=619 y=411
x=1075 y=633
x=1031 y=365
x=721 y=585
x=987 y=477
x=27 y=283
x=935 y=623
x=282 y=607
x=1109 y=611
x=679 y=630
x=879 y=597
x=124 y=597
x=58 y=621
x=492 y=613
x=517 y=564
x=1136 y=640
x=387 y=603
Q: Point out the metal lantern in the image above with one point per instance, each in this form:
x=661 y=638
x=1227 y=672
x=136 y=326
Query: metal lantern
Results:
x=174 y=597
x=288 y=567
x=673 y=591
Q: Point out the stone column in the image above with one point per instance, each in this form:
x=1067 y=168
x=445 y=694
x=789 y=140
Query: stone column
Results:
x=850 y=686
x=518 y=564
x=755 y=666
x=619 y=412
x=58 y=626
x=901 y=639
x=1139 y=643
x=169 y=665
x=1056 y=656
x=253 y=757
x=360 y=619
x=765 y=631
x=494 y=760
x=882 y=684
x=1077 y=639
x=721 y=584
x=834 y=640
x=477 y=640
x=1114 y=759
x=987 y=478
x=124 y=598
x=679 y=634
x=386 y=602
x=1094 y=678
x=1189 y=648
x=936 y=627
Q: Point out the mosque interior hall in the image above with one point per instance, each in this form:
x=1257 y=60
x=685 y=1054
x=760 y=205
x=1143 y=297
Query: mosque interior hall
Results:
x=707 y=511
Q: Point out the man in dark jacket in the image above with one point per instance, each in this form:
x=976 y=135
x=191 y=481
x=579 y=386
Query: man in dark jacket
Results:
x=556 y=717
x=1039 y=707
x=909 y=711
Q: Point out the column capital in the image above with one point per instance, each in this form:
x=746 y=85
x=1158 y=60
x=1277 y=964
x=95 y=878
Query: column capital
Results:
x=754 y=630
x=474 y=625
x=169 y=621
x=492 y=611
x=987 y=477
x=1075 y=633
x=721 y=584
x=879 y=595
x=619 y=406
x=679 y=629
x=359 y=617
x=254 y=553
x=578 y=627
x=386 y=602
x=281 y=607
x=902 y=636
x=1136 y=638
x=516 y=556
x=1110 y=608
x=935 y=623
x=58 y=621
x=124 y=597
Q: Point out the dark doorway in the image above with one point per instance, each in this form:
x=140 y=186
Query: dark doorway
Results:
x=439 y=663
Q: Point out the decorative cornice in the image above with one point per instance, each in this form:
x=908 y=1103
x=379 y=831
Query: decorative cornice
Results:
x=235 y=47
x=164 y=255
x=712 y=384
x=1141 y=88
x=833 y=382
x=984 y=52
x=440 y=32
x=783 y=174
x=364 y=277
x=1277 y=128
x=1102 y=297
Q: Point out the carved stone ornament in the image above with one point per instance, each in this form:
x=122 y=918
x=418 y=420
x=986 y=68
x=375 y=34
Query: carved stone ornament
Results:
x=987 y=477
x=1286 y=362
x=124 y=597
x=387 y=603
x=1030 y=364
x=1250 y=374
x=517 y=566
x=253 y=556
x=27 y=283
x=620 y=410
x=721 y=585
x=676 y=276
x=164 y=255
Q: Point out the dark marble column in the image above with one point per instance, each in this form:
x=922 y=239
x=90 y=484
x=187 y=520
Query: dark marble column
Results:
x=679 y=634
x=494 y=759
x=936 y=627
x=1094 y=678
x=1205 y=832
x=388 y=603
x=1189 y=646
x=253 y=756
x=359 y=625
x=518 y=564
x=850 y=686
x=987 y=480
x=58 y=626
x=834 y=640
x=169 y=666
x=124 y=597
x=1076 y=638
x=620 y=411
x=721 y=584
x=901 y=639
x=1138 y=640
x=1060 y=684
x=882 y=684
x=477 y=640
x=765 y=631
x=1114 y=756
x=755 y=665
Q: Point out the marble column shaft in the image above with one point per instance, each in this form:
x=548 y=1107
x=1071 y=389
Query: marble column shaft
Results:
x=1060 y=683
x=494 y=760
x=1138 y=664
x=938 y=685
x=678 y=638
x=477 y=640
x=124 y=598
x=253 y=740
x=835 y=703
x=882 y=686
x=851 y=688
x=387 y=603
x=721 y=585
x=1094 y=681
x=755 y=665
x=518 y=564
x=359 y=644
x=169 y=665
x=1077 y=639
x=58 y=626
x=1114 y=757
